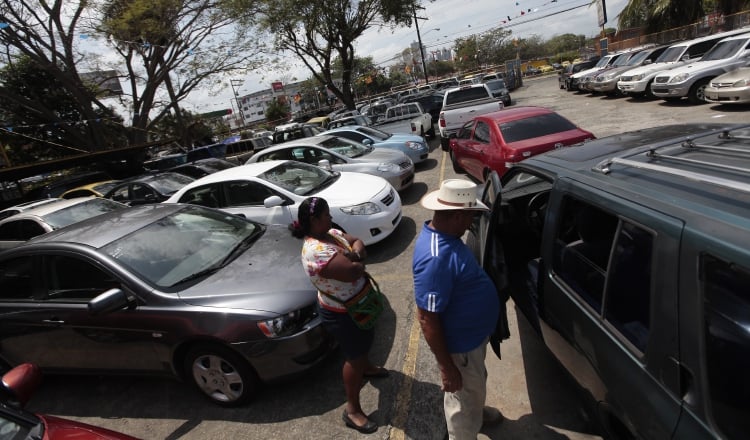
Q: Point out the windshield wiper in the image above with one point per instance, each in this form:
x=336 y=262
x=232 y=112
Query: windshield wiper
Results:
x=238 y=249
x=329 y=180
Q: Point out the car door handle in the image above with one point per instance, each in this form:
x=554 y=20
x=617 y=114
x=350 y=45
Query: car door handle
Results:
x=53 y=321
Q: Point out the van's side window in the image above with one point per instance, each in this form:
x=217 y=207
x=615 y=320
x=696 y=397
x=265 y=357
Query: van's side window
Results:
x=583 y=245
x=628 y=297
x=726 y=298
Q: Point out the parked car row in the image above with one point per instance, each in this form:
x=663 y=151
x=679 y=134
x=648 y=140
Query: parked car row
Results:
x=707 y=69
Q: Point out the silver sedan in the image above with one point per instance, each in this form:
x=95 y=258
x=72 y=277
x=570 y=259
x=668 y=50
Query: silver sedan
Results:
x=341 y=154
x=730 y=88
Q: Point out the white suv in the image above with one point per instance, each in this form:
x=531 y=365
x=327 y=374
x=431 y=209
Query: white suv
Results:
x=637 y=81
x=691 y=80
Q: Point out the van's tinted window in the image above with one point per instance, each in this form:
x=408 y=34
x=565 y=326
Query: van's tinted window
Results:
x=726 y=290
x=583 y=245
x=594 y=251
x=628 y=297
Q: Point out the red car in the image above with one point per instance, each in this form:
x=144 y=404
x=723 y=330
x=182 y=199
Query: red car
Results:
x=497 y=140
x=16 y=423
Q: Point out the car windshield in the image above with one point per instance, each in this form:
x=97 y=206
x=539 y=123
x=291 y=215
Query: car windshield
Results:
x=534 y=126
x=603 y=61
x=637 y=59
x=374 y=133
x=724 y=49
x=345 y=147
x=671 y=55
x=169 y=183
x=299 y=178
x=186 y=243
x=81 y=211
x=496 y=84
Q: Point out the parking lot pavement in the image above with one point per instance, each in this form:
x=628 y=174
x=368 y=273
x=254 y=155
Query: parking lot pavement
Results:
x=527 y=385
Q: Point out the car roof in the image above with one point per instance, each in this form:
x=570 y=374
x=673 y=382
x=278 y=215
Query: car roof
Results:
x=105 y=228
x=741 y=30
x=658 y=161
x=239 y=172
x=28 y=205
x=306 y=141
x=47 y=208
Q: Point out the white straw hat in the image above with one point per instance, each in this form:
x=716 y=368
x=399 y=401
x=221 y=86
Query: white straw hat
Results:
x=454 y=194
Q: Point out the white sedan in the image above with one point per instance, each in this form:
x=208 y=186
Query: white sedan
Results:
x=366 y=206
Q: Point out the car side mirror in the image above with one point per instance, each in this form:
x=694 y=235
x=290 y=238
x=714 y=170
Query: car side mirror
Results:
x=325 y=164
x=273 y=201
x=685 y=57
x=367 y=142
x=110 y=301
x=647 y=62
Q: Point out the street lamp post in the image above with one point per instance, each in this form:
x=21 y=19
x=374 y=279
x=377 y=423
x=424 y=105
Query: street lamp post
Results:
x=237 y=83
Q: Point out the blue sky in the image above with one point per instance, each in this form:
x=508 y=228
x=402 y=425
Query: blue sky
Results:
x=454 y=19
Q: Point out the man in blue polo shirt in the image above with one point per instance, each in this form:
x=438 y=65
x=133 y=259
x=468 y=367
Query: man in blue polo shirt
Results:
x=457 y=306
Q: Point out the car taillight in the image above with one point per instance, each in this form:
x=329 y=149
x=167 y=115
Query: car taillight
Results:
x=413 y=127
x=442 y=119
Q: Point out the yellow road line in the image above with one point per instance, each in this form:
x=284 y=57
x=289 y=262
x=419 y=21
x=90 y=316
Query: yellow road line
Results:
x=403 y=398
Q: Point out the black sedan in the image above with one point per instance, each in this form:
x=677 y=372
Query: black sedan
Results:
x=182 y=290
x=148 y=188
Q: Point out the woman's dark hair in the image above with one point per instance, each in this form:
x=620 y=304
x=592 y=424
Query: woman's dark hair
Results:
x=309 y=208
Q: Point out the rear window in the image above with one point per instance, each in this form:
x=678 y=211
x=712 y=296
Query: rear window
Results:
x=468 y=94
x=535 y=126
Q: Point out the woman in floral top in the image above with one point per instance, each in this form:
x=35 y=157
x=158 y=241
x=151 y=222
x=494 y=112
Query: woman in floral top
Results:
x=333 y=260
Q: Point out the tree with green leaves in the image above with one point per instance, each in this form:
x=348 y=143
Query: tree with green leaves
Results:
x=277 y=112
x=42 y=117
x=41 y=35
x=319 y=31
x=171 y=47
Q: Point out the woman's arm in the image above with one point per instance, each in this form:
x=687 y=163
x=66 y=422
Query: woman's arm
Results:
x=341 y=268
x=359 y=253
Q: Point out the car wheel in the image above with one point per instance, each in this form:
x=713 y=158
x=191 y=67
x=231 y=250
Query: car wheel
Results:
x=456 y=167
x=221 y=374
x=649 y=94
x=697 y=93
x=431 y=131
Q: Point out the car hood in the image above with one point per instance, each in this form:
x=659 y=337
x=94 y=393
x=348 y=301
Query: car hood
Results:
x=381 y=155
x=353 y=189
x=403 y=137
x=734 y=75
x=62 y=429
x=268 y=277
x=697 y=67
x=655 y=67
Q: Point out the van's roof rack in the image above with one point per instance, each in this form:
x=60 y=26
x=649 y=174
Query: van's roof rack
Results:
x=651 y=153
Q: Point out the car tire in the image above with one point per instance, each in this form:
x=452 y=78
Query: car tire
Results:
x=431 y=131
x=697 y=92
x=220 y=374
x=456 y=167
x=444 y=144
x=648 y=93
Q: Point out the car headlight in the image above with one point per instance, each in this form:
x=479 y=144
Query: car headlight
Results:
x=637 y=77
x=414 y=145
x=387 y=167
x=742 y=83
x=368 y=208
x=679 y=78
x=283 y=325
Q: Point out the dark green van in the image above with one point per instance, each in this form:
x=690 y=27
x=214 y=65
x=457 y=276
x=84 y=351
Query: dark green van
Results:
x=630 y=257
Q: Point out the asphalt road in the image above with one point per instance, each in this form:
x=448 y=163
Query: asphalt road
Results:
x=527 y=385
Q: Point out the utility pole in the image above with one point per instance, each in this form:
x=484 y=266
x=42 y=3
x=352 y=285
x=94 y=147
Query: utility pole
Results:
x=419 y=40
x=237 y=83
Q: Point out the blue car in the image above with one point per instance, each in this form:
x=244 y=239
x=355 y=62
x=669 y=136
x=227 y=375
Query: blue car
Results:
x=412 y=145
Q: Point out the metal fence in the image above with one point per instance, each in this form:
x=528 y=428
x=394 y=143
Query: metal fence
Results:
x=711 y=24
